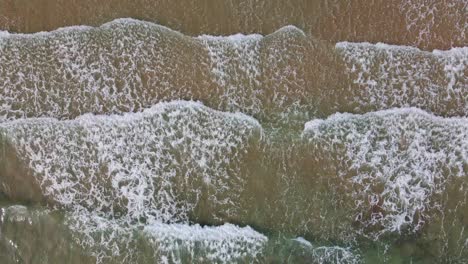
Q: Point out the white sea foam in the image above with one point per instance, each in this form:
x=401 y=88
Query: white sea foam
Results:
x=4 y=34
x=335 y=254
x=235 y=63
x=238 y=65
x=127 y=65
x=408 y=152
x=347 y=45
x=169 y=243
x=239 y=37
x=399 y=76
x=424 y=16
x=329 y=254
x=389 y=47
x=124 y=171
x=16 y=213
x=290 y=28
x=138 y=155
x=100 y=70
x=69 y=29
x=44 y=34
x=226 y=244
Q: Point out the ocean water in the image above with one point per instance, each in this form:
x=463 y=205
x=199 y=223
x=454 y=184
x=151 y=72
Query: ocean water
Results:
x=428 y=24
x=233 y=132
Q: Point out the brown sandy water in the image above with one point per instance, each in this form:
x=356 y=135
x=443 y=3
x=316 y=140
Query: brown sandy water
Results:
x=290 y=138
x=428 y=24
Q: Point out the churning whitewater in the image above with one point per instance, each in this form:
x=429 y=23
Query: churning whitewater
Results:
x=131 y=142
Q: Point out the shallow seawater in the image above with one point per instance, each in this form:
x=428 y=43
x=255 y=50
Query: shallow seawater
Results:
x=428 y=24
x=287 y=133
